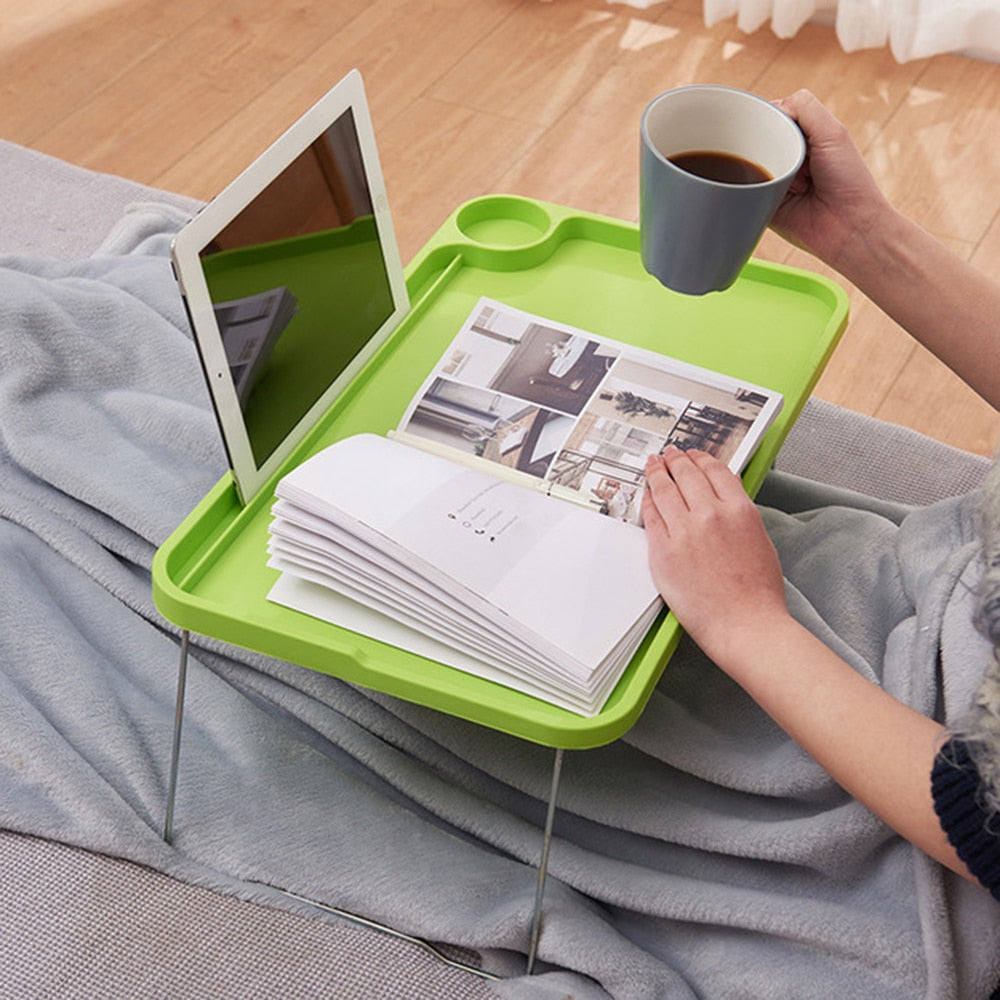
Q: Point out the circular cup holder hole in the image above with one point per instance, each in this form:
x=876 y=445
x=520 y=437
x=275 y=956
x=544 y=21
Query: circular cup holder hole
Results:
x=503 y=221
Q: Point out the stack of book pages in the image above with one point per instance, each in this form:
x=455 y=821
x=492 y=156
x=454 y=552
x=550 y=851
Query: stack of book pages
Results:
x=498 y=529
x=472 y=571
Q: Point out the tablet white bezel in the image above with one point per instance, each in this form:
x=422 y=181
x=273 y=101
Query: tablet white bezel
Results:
x=347 y=95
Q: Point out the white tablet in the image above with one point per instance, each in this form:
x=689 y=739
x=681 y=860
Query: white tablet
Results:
x=292 y=280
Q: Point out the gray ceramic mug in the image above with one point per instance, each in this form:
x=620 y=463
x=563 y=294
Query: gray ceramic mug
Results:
x=697 y=233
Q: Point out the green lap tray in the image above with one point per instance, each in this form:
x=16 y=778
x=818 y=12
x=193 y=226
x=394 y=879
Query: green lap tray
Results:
x=775 y=327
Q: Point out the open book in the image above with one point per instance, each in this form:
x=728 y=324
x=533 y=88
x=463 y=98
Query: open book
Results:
x=497 y=530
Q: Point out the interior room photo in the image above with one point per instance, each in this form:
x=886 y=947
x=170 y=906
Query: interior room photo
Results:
x=242 y=825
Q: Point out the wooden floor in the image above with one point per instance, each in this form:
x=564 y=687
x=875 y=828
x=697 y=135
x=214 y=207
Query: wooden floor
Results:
x=534 y=97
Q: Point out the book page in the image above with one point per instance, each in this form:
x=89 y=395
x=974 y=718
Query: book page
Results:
x=357 y=613
x=327 y=554
x=565 y=584
x=547 y=402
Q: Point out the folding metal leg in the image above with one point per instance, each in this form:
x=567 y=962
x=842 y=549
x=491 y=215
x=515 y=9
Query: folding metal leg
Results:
x=543 y=867
x=175 y=753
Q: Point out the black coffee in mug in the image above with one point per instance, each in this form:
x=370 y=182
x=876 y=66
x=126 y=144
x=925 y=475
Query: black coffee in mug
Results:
x=726 y=168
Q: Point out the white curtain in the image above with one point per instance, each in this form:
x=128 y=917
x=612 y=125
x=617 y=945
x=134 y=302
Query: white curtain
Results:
x=913 y=29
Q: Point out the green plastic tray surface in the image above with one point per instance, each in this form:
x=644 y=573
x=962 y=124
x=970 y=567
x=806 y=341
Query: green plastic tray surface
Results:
x=776 y=326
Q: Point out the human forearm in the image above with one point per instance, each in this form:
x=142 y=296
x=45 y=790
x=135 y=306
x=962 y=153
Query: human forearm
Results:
x=939 y=299
x=836 y=211
x=875 y=747
x=719 y=573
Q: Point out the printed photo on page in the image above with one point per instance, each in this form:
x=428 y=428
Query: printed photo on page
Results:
x=548 y=401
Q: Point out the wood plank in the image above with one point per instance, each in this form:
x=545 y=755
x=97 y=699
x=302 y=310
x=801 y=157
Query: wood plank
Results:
x=538 y=62
x=377 y=42
x=936 y=158
x=530 y=96
x=47 y=76
x=863 y=89
x=878 y=369
x=589 y=157
x=927 y=397
x=148 y=118
x=426 y=174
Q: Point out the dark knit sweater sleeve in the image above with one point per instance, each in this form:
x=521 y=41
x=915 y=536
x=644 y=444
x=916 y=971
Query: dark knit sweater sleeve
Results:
x=972 y=830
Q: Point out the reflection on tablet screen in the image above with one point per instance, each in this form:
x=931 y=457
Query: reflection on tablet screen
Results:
x=298 y=284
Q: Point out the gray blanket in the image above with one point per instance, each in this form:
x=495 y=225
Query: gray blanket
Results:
x=703 y=855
